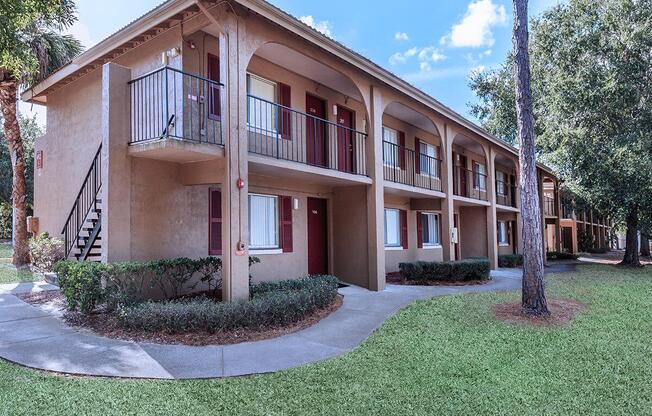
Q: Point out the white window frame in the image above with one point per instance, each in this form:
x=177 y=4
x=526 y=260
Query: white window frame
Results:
x=394 y=150
x=426 y=172
x=273 y=118
x=503 y=230
x=398 y=244
x=272 y=248
x=437 y=219
x=481 y=183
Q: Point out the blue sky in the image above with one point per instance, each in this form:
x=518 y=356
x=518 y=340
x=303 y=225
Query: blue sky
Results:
x=432 y=44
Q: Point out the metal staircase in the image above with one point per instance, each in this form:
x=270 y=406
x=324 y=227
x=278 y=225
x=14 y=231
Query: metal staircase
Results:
x=82 y=232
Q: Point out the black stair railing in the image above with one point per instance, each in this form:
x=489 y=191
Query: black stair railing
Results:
x=86 y=201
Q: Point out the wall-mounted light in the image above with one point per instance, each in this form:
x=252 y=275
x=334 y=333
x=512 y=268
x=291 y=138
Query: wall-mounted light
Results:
x=334 y=109
x=295 y=203
x=364 y=125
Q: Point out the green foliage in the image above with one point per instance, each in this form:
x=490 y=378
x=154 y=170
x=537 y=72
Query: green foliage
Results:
x=510 y=260
x=585 y=241
x=273 y=304
x=5 y=220
x=45 y=252
x=81 y=284
x=460 y=270
x=30 y=131
x=561 y=255
x=31 y=46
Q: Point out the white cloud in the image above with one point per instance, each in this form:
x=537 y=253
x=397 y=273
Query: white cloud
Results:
x=324 y=26
x=401 y=36
x=475 y=29
x=426 y=54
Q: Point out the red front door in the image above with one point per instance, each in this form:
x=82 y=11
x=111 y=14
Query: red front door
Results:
x=213 y=63
x=316 y=148
x=345 y=140
x=317 y=236
x=462 y=174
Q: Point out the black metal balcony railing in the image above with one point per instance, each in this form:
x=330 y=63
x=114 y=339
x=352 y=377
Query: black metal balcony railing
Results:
x=549 y=206
x=403 y=165
x=505 y=194
x=169 y=103
x=284 y=133
x=469 y=184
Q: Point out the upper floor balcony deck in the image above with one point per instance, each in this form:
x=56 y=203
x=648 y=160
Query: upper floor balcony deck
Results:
x=405 y=166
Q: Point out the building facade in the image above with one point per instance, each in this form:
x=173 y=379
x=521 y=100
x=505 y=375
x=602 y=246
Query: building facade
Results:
x=233 y=129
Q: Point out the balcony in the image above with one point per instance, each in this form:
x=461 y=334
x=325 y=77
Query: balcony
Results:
x=549 y=206
x=469 y=184
x=175 y=116
x=286 y=134
x=505 y=194
x=402 y=165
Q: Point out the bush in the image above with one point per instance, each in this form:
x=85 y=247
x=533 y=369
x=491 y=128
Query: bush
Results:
x=510 y=260
x=87 y=284
x=600 y=250
x=585 y=241
x=461 y=270
x=45 y=252
x=271 y=304
x=5 y=220
x=561 y=255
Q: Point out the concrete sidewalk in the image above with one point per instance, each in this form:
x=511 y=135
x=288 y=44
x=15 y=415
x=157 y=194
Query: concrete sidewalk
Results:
x=34 y=338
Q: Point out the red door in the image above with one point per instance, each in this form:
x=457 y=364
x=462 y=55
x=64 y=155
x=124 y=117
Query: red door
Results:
x=316 y=148
x=317 y=236
x=462 y=173
x=345 y=141
x=213 y=63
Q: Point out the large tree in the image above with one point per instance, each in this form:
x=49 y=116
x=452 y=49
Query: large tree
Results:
x=31 y=47
x=533 y=293
x=30 y=130
x=593 y=88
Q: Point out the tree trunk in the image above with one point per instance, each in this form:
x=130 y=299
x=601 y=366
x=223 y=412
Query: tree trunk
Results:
x=533 y=294
x=645 y=245
x=631 y=240
x=8 y=104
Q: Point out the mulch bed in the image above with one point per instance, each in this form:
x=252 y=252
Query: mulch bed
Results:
x=562 y=312
x=105 y=325
x=397 y=279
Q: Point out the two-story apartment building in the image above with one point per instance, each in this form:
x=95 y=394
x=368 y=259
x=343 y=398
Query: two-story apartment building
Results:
x=232 y=129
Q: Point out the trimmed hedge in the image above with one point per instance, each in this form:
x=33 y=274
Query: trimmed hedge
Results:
x=456 y=271
x=561 y=255
x=88 y=284
x=272 y=304
x=510 y=260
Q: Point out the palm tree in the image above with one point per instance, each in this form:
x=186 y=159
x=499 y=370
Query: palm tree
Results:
x=533 y=295
x=32 y=48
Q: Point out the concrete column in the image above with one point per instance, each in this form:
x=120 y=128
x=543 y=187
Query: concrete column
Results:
x=116 y=164
x=492 y=234
x=519 y=233
x=235 y=204
x=447 y=206
x=543 y=216
x=375 y=192
x=558 y=220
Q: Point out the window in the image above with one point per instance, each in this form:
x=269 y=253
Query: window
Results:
x=390 y=146
x=480 y=173
x=430 y=226
x=392 y=228
x=429 y=164
x=501 y=183
x=263 y=221
x=262 y=107
x=503 y=237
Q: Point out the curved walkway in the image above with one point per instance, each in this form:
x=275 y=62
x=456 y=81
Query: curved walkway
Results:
x=34 y=338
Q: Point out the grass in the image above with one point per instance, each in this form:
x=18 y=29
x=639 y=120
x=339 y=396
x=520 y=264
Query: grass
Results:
x=5 y=251
x=8 y=273
x=443 y=356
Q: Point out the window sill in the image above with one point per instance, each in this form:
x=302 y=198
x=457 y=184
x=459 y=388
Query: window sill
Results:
x=393 y=248
x=263 y=251
x=431 y=246
x=503 y=244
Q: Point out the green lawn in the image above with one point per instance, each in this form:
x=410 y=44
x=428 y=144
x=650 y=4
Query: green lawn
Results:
x=5 y=251
x=8 y=273
x=443 y=356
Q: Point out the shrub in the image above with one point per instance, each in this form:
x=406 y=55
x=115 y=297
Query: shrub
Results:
x=272 y=304
x=585 y=241
x=461 y=270
x=561 y=255
x=599 y=250
x=510 y=260
x=81 y=284
x=5 y=220
x=45 y=252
